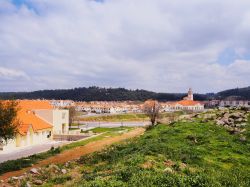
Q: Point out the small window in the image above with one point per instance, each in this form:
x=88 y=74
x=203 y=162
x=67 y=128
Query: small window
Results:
x=49 y=134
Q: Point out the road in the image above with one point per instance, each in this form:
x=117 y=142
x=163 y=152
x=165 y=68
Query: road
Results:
x=27 y=151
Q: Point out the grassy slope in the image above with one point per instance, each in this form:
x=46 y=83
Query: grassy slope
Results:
x=213 y=158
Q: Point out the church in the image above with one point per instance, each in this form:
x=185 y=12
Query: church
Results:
x=187 y=104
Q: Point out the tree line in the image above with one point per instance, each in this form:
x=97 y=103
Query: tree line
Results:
x=119 y=94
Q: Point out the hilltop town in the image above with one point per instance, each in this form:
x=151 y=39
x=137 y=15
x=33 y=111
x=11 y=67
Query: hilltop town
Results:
x=43 y=120
x=50 y=148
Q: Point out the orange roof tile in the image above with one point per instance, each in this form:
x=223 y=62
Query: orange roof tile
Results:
x=23 y=129
x=188 y=102
x=27 y=117
x=34 y=104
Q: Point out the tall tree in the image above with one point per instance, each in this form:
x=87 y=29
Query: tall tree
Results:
x=8 y=120
x=152 y=108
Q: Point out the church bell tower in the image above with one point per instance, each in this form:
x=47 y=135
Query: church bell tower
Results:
x=190 y=94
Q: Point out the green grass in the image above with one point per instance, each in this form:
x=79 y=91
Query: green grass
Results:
x=117 y=117
x=212 y=157
x=105 y=129
x=73 y=129
x=13 y=165
x=106 y=132
x=74 y=125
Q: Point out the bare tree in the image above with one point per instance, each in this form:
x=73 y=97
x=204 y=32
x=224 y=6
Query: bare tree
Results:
x=72 y=115
x=151 y=108
x=8 y=120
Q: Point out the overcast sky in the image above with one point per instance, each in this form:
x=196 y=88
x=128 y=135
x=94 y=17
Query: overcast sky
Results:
x=158 y=45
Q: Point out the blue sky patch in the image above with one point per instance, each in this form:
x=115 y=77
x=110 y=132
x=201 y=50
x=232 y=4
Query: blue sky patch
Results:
x=228 y=56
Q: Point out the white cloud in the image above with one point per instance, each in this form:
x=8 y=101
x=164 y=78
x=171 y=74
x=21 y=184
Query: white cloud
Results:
x=157 y=45
x=10 y=74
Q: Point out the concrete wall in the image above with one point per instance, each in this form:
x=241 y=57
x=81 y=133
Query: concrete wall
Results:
x=65 y=137
x=58 y=118
x=60 y=121
x=29 y=139
x=197 y=107
x=11 y=145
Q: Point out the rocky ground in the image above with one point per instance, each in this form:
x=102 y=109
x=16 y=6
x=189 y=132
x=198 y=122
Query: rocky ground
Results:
x=233 y=119
x=38 y=176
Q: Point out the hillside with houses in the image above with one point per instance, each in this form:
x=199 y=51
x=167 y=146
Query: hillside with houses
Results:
x=63 y=142
x=204 y=149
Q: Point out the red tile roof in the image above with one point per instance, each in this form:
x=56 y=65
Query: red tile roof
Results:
x=188 y=103
x=27 y=116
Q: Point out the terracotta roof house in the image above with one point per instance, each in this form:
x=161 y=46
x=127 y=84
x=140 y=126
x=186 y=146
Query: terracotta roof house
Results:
x=38 y=122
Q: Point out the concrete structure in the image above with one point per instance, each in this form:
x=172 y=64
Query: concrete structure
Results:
x=227 y=103
x=59 y=118
x=111 y=107
x=190 y=96
x=38 y=122
x=62 y=103
x=234 y=103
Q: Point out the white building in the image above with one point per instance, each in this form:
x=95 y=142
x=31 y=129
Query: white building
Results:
x=187 y=104
x=62 y=103
x=38 y=123
x=57 y=117
x=234 y=103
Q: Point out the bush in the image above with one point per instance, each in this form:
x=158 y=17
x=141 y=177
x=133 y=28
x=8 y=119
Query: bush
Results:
x=61 y=179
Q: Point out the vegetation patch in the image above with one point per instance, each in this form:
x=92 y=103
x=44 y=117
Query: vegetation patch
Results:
x=61 y=179
x=183 y=154
x=116 y=117
x=106 y=129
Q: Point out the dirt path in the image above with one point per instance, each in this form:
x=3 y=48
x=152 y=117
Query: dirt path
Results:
x=77 y=152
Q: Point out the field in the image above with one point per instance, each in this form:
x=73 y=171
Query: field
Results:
x=105 y=129
x=116 y=117
x=125 y=117
x=181 y=154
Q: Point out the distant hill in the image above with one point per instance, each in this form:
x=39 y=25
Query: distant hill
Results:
x=118 y=94
x=241 y=93
x=97 y=94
